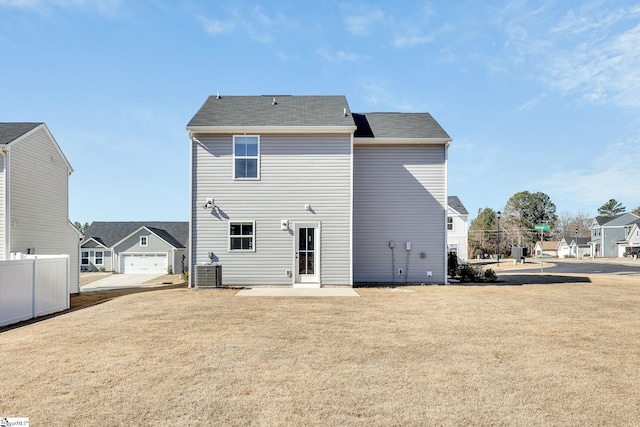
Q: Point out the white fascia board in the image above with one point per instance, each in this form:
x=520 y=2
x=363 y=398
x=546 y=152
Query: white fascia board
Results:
x=46 y=129
x=402 y=141
x=144 y=227
x=90 y=239
x=270 y=129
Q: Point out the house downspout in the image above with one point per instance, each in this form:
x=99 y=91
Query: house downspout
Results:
x=7 y=197
x=446 y=211
x=191 y=211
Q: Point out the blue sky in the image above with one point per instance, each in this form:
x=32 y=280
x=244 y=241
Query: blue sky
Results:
x=537 y=95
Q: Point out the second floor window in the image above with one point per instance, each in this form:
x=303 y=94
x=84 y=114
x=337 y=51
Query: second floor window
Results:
x=143 y=240
x=246 y=157
x=450 y=223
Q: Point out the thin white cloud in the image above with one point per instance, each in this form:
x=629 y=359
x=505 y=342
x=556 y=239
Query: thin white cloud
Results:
x=215 y=26
x=259 y=25
x=365 y=23
x=532 y=102
x=105 y=7
x=340 y=56
x=412 y=40
x=590 y=52
x=379 y=96
x=609 y=176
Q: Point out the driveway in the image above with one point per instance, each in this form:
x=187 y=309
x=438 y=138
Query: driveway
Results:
x=122 y=281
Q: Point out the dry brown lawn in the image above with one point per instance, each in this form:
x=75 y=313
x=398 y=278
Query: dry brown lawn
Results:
x=563 y=353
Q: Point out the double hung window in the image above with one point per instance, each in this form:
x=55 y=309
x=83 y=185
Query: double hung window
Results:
x=241 y=236
x=246 y=157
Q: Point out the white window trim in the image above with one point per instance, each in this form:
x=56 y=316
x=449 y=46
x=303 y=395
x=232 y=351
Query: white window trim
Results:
x=257 y=157
x=83 y=257
x=146 y=241
x=95 y=258
x=253 y=246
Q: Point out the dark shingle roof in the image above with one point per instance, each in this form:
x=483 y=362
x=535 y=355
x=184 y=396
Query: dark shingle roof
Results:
x=398 y=125
x=110 y=233
x=456 y=204
x=11 y=131
x=261 y=111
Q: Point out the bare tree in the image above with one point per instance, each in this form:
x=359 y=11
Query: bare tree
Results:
x=568 y=224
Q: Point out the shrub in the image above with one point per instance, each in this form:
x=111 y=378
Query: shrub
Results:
x=490 y=275
x=472 y=273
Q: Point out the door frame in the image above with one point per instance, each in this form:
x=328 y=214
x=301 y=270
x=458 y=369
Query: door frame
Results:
x=311 y=281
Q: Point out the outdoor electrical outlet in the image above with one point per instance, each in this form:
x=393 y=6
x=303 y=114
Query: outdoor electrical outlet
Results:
x=400 y=272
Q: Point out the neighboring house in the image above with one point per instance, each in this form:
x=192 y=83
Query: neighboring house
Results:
x=564 y=249
x=608 y=234
x=631 y=243
x=298 y=191
x=136 y=247
x=457 y=228
x=579 y=246
x=34 y=196
x=549 y=248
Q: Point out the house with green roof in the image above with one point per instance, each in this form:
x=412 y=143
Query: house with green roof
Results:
x=299 y=191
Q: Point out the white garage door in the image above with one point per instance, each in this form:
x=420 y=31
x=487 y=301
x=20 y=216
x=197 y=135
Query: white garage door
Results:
x=144 y=263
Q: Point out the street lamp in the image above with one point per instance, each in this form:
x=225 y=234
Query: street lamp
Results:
x=576 y=243
x=499 y=214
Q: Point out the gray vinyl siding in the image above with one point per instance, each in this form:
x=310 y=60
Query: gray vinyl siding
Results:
x=39 y=197
x=400 y=195
x=107 y=258
x=132 y=244
x=3 y=206
x=295 y=170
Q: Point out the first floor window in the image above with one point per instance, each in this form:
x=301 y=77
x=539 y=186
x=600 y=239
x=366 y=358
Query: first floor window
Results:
x=241 y=235
x=84 y=258
x=98 y=257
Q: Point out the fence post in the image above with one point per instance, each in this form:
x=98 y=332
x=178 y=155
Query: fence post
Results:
x=33 y=287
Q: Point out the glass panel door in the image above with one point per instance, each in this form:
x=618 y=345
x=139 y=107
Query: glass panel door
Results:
x=307 y=255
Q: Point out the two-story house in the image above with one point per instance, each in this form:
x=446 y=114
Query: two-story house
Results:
x=300 y=191
x=457 y=228
x=607 y=232
x=34 y=196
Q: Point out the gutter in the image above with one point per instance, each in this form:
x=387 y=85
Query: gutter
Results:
x=7 y=198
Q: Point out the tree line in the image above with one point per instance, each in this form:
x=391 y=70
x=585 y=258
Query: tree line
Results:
x=517 y=223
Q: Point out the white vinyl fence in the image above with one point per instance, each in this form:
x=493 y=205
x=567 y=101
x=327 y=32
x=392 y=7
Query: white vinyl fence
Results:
x=33 y=286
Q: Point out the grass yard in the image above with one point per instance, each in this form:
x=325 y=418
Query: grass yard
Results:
x=563 y=353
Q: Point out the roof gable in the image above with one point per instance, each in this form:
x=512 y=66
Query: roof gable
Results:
x=9 y=132
x=13 y=133
x=455 y=203
x=111 y=233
